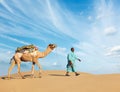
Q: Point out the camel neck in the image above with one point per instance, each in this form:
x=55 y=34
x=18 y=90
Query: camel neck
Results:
x=45 y=53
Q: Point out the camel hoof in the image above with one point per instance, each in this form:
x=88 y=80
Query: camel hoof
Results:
x=9 y=78
x=23 y=77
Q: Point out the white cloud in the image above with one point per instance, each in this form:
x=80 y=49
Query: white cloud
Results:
x=84 y=45
x=7 y=46
x=6 y=6
x=81 y=13
x=110 y=30
x=89 y=17
x=54 y=64
x=105 y=13
x=9 y=52
x=114 y=51
x=85 y=48
x=1 y=1
x=99 y=16
x=6 y=56
x=61 y=51
x=13 y=39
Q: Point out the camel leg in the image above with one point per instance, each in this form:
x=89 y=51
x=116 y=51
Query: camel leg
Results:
x=17 y=59
x=19 y=71
x=33 y=69
x=38 y=64
x=10 y=68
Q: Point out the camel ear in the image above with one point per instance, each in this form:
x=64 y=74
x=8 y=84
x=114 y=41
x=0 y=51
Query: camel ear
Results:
x=50 y=44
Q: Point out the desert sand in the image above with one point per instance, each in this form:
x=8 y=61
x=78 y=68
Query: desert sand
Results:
x=56 y=81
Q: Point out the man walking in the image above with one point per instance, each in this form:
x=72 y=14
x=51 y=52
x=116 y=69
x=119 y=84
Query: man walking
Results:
x=71 y=63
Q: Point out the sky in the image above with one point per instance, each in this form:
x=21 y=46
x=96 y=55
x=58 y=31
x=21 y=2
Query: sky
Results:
x=90 y=26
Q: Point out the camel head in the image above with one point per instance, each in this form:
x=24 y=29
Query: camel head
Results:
x=52 y=46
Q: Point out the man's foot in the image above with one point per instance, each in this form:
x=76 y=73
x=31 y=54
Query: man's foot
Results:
x=77 y=74
x=67 y=75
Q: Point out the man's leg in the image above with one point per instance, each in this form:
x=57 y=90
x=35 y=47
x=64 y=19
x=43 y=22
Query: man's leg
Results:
x=73 y=70
x=67 y=73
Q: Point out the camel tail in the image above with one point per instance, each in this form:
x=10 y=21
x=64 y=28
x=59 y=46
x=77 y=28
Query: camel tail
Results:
x=11 y=60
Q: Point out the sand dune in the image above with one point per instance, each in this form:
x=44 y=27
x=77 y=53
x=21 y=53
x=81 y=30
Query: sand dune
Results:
x=55 y=81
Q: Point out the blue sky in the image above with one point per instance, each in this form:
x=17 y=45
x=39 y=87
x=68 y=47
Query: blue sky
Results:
x=90 y=26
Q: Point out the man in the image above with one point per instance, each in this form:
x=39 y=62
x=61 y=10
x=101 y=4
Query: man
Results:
x=71 y=63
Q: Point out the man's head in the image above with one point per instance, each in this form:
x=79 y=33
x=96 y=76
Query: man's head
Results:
x=72 y=49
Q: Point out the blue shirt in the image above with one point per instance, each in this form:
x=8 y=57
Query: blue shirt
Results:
x=72 y=57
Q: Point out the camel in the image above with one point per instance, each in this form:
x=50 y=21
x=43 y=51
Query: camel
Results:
x=29 y=57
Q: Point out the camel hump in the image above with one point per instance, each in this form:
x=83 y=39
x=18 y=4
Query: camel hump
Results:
x=29 y=48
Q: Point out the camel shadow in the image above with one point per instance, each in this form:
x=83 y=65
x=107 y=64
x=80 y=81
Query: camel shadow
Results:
x=28 y=75
x=6 y=78
x=3 y=78
x=18 y=77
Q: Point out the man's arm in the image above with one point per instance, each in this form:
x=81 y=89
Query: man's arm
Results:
x=70 y=63
x=77 y=58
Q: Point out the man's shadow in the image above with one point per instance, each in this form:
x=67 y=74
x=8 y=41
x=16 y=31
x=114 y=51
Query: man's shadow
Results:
x=56 y=75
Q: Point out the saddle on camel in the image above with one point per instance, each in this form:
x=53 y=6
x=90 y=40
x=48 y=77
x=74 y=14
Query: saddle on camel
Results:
x=26 y=49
